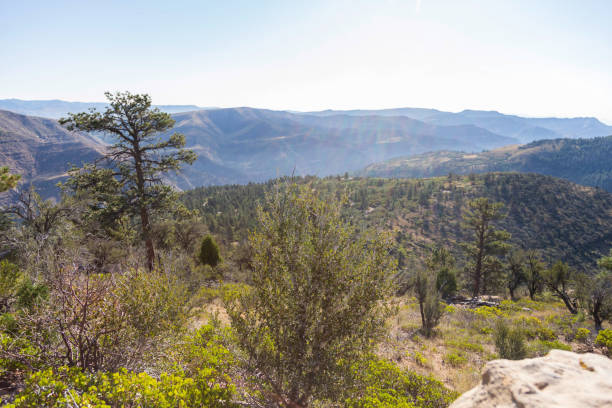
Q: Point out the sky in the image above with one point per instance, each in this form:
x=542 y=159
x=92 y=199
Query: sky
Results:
x=533 y=58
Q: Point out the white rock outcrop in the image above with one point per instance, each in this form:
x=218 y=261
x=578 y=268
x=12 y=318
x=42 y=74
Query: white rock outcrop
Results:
x=560 y=379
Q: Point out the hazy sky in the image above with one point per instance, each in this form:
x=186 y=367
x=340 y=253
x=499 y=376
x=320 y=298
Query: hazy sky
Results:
x=532 y=57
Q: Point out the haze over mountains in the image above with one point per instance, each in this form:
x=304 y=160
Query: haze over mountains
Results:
x=240 y=145
x=55 y=109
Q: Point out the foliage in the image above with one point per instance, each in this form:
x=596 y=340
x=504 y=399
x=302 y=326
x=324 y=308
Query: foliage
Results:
x=318 y=297
x=604 y=338
x=7 y=180
x=487 y=243
x=97 y=322
x=509 y=342
x=558 y=219
x=534 y=270
x=209 y=252
x=559 y=279
x=383 y=384
x=515 y=272
x=131 y=181
x=64 y=386
x=441 y=263
x=428 y=296
x=582 y=334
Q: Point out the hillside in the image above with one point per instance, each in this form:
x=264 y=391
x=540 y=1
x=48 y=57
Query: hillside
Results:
x=41 y=151
x=521 y=128
x=583 y=161
x=240 y=145
x=561 y=219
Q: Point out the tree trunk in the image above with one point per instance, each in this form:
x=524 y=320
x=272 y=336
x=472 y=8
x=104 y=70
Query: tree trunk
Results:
x=144 y=213
x=568 y=303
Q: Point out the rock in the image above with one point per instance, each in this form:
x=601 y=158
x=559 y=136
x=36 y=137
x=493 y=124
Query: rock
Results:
x=560 y=379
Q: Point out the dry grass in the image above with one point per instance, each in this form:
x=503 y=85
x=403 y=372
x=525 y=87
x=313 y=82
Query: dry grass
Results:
x=463 y=342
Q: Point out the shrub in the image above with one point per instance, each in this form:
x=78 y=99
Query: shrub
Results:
x=316 y=282
x=65 y=386
x=604 y=338
x=582 y=334
x=382 y=384
x=465 y=345
x=455 y=359
x=555 y=344
x=99 y=322
x=209 y=252
x=430 y=307
x=446 y=282
x=509 y=342
x=420 y=359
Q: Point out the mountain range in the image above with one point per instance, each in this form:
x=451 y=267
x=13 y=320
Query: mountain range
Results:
x=241 y=145
x=521 y=128
x=583 y=161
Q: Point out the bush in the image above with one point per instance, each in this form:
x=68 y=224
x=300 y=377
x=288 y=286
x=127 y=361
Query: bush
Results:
x=209 y=252
x=582 y=334
x=382 y=384
x=604 y=338
x=446 y=283
x=509 y=342
x=455 y=359
x=97 y=322
x=65 y=386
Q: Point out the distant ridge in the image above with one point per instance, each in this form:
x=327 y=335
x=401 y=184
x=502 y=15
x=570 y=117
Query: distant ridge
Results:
x=583 y=161
x=521 y=128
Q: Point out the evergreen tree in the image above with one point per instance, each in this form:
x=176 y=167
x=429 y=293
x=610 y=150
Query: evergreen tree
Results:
x=131 y=180
x=209 y=252
x=487 y=244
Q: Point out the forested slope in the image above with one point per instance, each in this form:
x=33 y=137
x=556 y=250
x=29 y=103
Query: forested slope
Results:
x=583 y=161
x=561 y=219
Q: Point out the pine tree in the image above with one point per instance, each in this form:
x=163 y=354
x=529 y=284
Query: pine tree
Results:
x=131 y=180
x=488 y=243
x=209 y=252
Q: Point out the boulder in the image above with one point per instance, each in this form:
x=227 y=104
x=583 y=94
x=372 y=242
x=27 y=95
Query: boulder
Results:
x=559 y=379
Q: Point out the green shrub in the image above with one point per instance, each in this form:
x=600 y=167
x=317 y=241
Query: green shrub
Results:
x=582 y=334
x=455 y=359
x=604 y=338
x=420 y=359
x=382 y=384
x=465 y=345
x=446 y=282
x=67 y=387
x=509 y=342
x=545 y=334
x=209 y=252
x=555 y=344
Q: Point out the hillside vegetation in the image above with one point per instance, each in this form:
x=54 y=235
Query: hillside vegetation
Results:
x=295 y=293
x=583 y=161
x=563 y=220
